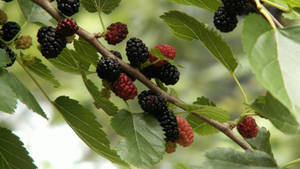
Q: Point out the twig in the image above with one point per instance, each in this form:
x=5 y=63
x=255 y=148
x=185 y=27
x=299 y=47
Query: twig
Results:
x=138 y=75
x=291 y=163
x=270 y=18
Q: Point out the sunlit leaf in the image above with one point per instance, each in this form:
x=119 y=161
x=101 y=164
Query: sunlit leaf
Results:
x=144 y=143
x=188 y=28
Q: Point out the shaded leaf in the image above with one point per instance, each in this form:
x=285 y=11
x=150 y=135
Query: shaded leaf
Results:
x=106 y=6
x=211 y=112
x=66 y=62
x=204 y=101
x=4 y=58
x=269 y=107
x=100 y=100
x=13 y=155
x=85 y=125
x=144 y=143
x=232 y=159
x=210 y=5
x=8 y=97
x=34 y=13
x=86 y=52
x=262 y=141
x=43 y=72
x=22 y=93
x=201 y=127
x=188 y=28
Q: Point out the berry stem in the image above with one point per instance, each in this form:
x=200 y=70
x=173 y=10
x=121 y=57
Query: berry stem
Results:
x=100 y=15
x=276 y=5
x=291 y=163
x=225 y=128
x=241 y=88
x=269 y=17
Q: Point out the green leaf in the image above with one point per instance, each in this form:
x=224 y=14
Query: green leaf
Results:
x=204 y=101
x=291 y=3
x=188 y=28
x=4 y=58
x=106 y=6
x=13 y=155
x=294 y=14
x=21 y=92
x=156 y=52
x=210 y=5
x=86 y=52
x=251 y=31
x=43 y=72
x=275 y=61
x=100 y=100
x=8 y=97
x=85 y=125
x=262 y=141
x=185 y=166
x=144 y=143
x=232 y=159
x=201 y=127
x=34 y=13
x=211 y=112
x=269 y=107
x=66 y=62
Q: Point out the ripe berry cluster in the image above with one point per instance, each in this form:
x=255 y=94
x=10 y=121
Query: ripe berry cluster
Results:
x=225 y=18
x=8 y=32
x=120 y=83
x=68 y=7
x=158 y=108
x=53 y=40
x=137 y=53
x=186 y=135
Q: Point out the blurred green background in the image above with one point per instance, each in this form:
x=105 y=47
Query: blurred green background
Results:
x=53 y=145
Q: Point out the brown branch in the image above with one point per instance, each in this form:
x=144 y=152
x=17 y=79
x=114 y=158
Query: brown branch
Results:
x=138 y=75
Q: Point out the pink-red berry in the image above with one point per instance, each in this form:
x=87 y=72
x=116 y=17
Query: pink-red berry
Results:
x=67 y=27
x=117 y=32
x=247 y=127
x=186 y=135
x=124 y=88
x=167 y=51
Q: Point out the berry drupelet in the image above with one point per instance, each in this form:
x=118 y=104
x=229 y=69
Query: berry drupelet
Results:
x=68 y=7
x=9 y=30
x=67 y=27
x=124 y=88
x=169 y=124
x=168 y=74
x=247 y=127
x=186 y=135
x=137 y=52
x=152 y=103
x=117 y=32
x=51 y=44
x=108 y=69
x=225 y=20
